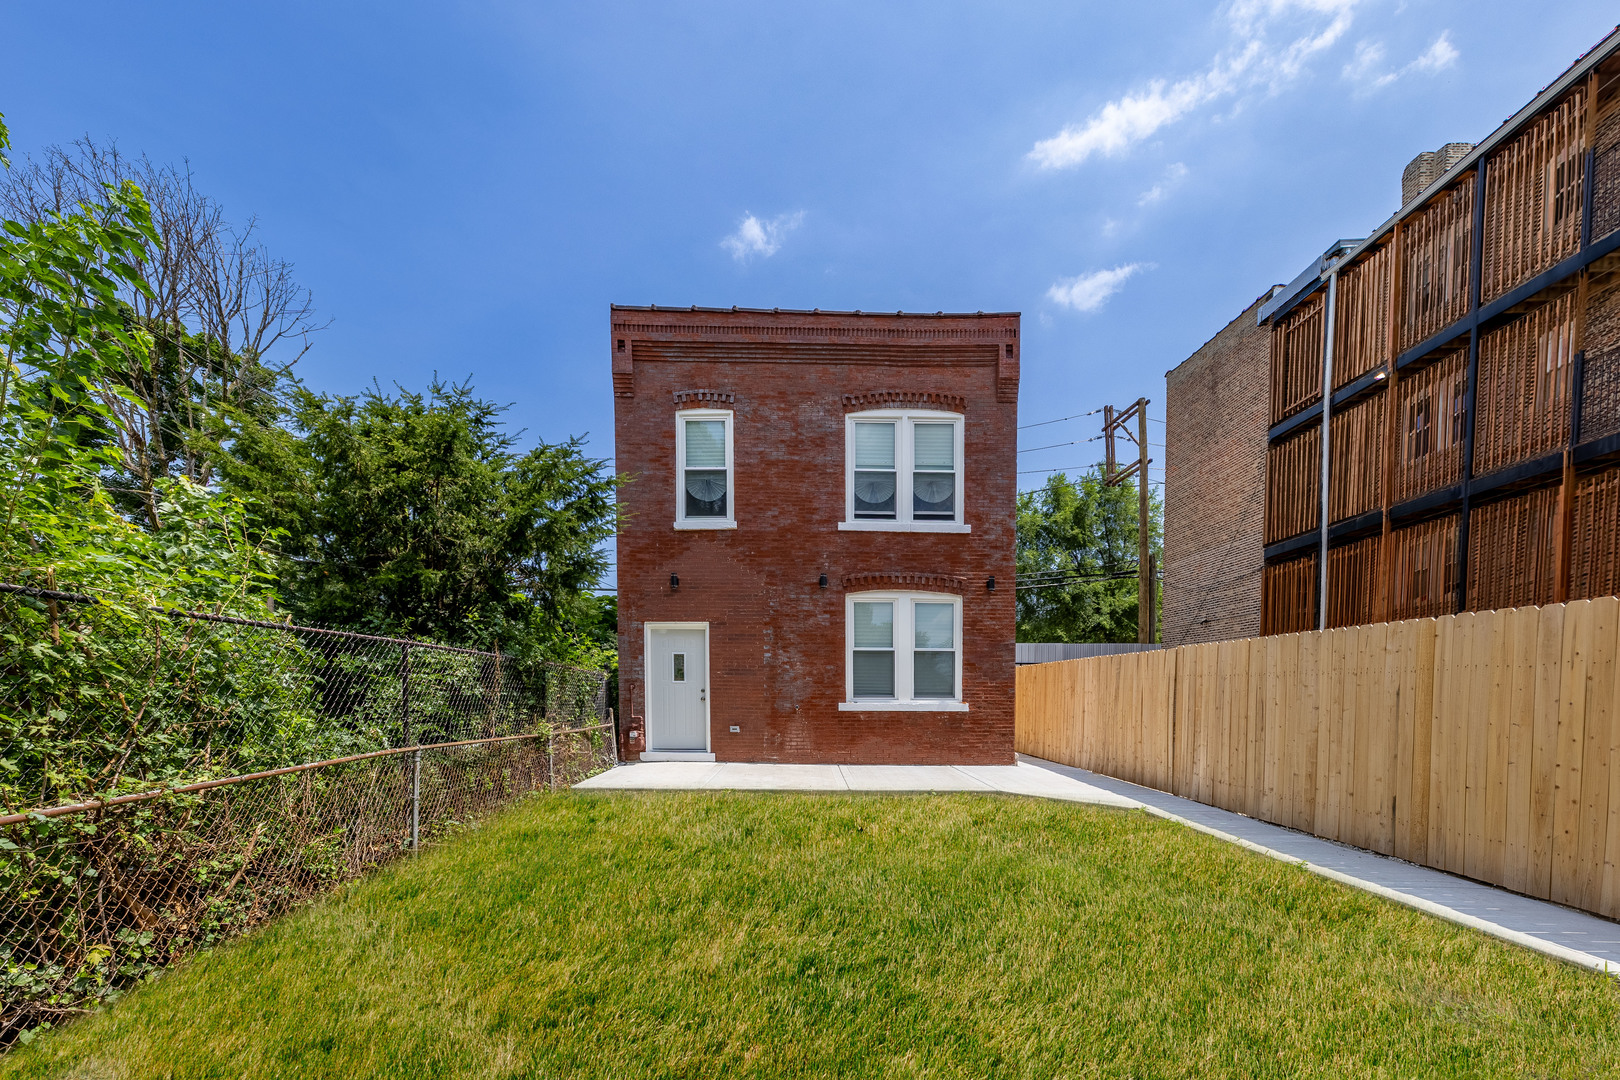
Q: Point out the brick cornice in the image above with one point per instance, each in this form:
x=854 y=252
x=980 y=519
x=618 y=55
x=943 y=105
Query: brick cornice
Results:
x=940 y=583
x=705 y=397
x=904 y=399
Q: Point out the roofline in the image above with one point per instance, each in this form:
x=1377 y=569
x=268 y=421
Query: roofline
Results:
x=1306 y=282
x=818 y=311
x=1347 y=251
x=1577 y=71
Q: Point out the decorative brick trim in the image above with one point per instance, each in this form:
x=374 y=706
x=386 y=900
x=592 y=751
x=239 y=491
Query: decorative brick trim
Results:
x=705 y=397
x=904 y=399
x=942 y=583
x=1007 y=376
x=801 y=331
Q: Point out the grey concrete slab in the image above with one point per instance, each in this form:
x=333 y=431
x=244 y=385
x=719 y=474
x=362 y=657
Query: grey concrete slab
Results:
x=663 y=775
x=1024 y=779
x=746 y=777
x=910 y=778
x=1571 y=935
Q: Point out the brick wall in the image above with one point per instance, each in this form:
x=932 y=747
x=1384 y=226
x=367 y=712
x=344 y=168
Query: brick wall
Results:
x=776 y=636
x=1216 y=414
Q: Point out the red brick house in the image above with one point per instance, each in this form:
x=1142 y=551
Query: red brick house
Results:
x=816 y=559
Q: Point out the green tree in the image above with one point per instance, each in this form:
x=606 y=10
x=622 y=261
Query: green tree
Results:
x=225 y=320
x=1076 y=559
x=415 y=514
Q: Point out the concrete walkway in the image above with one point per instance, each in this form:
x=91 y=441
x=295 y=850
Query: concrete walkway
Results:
x=1020 y=779
x=1573 y=936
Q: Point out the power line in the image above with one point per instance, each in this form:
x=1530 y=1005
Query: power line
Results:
x=1059 y=420
x=1054 y=446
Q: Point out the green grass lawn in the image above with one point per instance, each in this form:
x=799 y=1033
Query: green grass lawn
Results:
x=700 y=935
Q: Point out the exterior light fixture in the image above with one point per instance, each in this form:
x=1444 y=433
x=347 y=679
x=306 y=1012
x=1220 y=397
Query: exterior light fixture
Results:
x=674 y=581
x=823 y=581
x=990 y=584
x=1380 y=375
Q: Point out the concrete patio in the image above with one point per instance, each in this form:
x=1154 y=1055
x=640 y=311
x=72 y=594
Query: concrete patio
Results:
x=1564 y=933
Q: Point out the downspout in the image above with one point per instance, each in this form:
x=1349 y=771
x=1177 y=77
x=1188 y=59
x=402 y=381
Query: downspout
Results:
x=1327 y=413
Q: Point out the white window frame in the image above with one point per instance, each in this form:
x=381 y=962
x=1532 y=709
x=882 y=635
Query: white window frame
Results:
x=681 y=520
x=904 y=646
x=904 y=454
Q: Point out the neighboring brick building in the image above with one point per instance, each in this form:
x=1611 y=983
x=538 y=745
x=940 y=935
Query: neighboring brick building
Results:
x=1215 y=485
x=816 y=559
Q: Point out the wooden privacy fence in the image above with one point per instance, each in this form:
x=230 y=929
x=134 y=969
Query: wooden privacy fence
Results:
x=1486 y=744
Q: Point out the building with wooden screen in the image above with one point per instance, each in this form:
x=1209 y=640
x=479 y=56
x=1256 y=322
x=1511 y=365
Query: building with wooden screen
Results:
x=1444 y=422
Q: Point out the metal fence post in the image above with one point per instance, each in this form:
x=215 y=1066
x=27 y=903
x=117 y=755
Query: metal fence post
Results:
x=416 y=758
x=551 y=762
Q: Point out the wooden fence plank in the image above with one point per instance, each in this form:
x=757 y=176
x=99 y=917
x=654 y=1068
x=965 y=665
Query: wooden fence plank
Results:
x=1570 y=751
x=1598 y=690
x=1422 y=738
x=1544 y=749
x=1519 y=698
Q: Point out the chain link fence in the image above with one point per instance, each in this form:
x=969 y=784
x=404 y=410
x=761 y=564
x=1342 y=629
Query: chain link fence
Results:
x=170 y=779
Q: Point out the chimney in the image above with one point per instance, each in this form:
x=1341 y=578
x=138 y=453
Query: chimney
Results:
x=1430 y=166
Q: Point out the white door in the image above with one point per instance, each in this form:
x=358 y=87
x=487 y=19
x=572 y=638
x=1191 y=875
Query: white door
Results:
x=678 y=689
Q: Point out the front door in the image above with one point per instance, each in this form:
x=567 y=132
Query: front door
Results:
x=678 y=689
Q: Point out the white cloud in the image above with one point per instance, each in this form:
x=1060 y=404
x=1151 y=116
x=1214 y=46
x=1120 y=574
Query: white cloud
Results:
x=762 y=238
x=1172 y=176
x=1439 y=56
x=1250 y=63
x=1366 y=70
x=1089 y=292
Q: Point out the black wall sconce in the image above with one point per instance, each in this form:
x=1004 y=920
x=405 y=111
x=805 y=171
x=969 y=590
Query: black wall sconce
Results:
x=674 y=582
x=823 y=581
x=990 y=584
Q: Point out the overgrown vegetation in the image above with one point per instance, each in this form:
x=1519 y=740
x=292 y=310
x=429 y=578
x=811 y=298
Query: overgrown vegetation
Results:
x=764 y=935
x=1077 y=556
x=154 y=455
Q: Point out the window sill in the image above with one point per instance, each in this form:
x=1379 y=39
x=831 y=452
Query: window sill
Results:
x=687 y=526
x=904 y=526
x=902 y=706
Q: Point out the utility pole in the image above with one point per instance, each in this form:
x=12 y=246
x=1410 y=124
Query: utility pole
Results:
x=1113 y=476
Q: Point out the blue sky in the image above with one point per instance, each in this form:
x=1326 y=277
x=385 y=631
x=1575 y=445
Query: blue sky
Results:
x=466 y=187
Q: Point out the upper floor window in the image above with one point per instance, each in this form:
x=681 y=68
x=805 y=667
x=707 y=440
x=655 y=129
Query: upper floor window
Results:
x=703 y=470
x=903 y=471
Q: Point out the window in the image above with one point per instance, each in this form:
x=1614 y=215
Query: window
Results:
x=904 y=472
x=904 y=652
x=703 y=470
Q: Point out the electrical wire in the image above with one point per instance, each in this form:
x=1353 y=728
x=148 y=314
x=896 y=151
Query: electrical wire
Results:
x=1059 y=420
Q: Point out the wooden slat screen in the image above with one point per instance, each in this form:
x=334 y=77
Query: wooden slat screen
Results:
x=1353 y=583
x=1533 y=193
x=1430 y=426
x=1435 y=250
x=1483 y=743
x=1525 y=372
x=1356 y=478
x=1423 y=568
x=1296 y=359
x=1595 y=565
x=1606 y=169
x=1600 y=383
x=1288 y=596
x=1361 y=329
x=1294 y=485
x=1510 y=551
